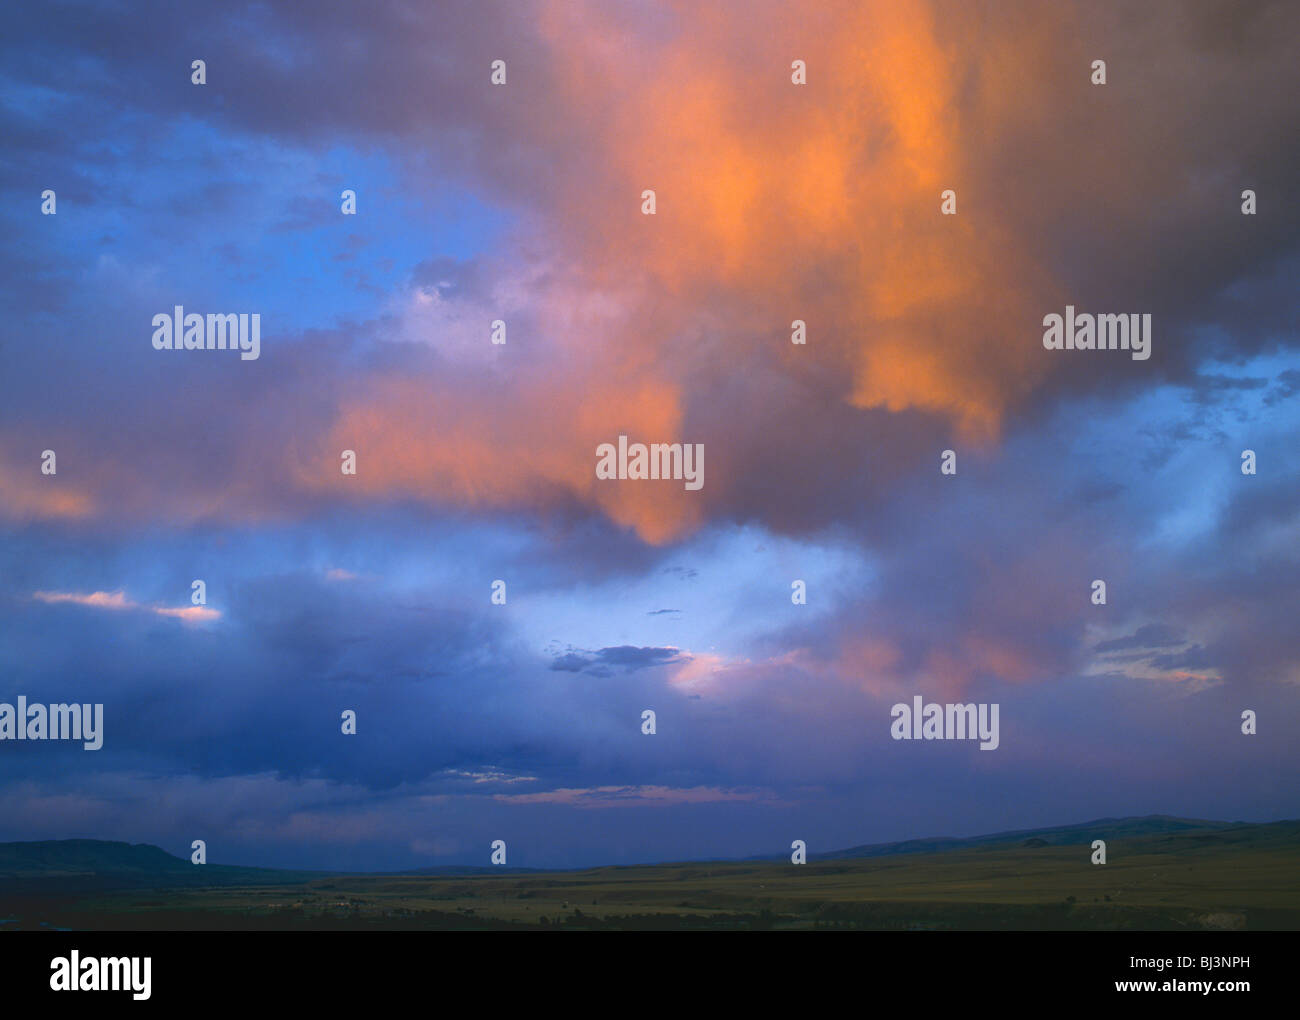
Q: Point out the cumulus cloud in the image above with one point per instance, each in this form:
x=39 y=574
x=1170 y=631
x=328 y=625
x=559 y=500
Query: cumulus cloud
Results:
x=476 y=461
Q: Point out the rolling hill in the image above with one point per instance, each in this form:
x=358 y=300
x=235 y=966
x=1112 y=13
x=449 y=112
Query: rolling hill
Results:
x=1161 y=873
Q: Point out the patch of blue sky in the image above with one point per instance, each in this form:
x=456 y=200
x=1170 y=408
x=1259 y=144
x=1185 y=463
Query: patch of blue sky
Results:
x=233 y=222
x=726 y=587
x=1176 y=448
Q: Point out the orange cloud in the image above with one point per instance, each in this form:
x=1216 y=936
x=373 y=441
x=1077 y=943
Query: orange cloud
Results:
x=532 y=445
x=775 y=192
x=26 y=494
x=775 y=202
x=767 y=193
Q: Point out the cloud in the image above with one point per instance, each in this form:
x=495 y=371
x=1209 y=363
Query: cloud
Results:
x=776 y=202
x=488 y=775
x=476 y=461
x=1151 y=635
x=98 y=599
x=634 y=796
x=604 y=661
x=118 y=600
x=190 y=614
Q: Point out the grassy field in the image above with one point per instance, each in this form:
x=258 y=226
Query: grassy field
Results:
x=1234 y=878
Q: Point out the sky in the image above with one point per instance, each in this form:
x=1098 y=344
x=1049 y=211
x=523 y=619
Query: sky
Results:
x=475 y=462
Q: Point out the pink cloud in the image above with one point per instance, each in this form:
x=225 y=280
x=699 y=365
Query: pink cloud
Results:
x=98 y=599
x=118 y=600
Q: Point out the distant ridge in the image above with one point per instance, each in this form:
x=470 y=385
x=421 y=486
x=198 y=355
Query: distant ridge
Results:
x=84 y=855
x=80 y=864
x=72 y=865
x=1061 y=835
